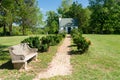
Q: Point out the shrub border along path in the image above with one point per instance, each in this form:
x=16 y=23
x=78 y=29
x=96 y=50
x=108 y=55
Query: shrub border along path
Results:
x=60 y=64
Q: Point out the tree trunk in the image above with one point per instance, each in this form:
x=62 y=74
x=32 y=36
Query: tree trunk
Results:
x=10 y=29
x=23 y=27
x=23 y=30
x=101 y=28
x=4 y=30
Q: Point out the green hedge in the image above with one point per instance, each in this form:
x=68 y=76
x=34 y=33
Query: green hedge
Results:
x=43 y=44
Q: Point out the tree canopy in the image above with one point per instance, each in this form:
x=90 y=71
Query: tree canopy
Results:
x=52 y=22
x=23 y=12
x=105 y=16
x=101 y=16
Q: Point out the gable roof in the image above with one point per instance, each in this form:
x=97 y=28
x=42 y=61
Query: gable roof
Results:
x=68 y=22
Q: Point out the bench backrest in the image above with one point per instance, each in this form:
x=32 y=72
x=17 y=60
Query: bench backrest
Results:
x=20 y=49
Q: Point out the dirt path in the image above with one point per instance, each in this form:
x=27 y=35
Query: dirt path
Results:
x=60 y=64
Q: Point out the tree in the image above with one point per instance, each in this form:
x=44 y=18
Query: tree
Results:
x=104 y=16
x=7 y=14
x=54 y=27
x=27 y=14
x=115 y=17
x=52 y=22
x=64 y=8
x=86 y=19
x=22 y=12
x=2 y=20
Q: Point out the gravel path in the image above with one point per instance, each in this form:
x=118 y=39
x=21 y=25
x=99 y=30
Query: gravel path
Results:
x=60 y=64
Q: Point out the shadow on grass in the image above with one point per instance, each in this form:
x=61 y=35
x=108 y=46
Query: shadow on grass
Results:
x=3 y=47
x=72 y=45
x=8 y=65
x=75 y=52
x=4 y=56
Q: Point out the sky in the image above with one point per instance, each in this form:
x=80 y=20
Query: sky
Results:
x=47 y=5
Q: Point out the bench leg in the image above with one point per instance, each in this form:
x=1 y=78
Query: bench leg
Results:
x=35 y=58
x=25 y=65
x=20 y=65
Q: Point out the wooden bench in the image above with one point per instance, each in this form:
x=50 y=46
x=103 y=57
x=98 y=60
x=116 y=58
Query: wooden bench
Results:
x=20 y=54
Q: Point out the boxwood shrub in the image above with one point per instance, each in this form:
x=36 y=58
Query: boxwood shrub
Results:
x=33 y=42
x=63 y=34
x=54 y=39
x=81 y=43
x=43 y=47
x=43 y=43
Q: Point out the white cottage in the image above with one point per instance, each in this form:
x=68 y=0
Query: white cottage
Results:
x=67 y=24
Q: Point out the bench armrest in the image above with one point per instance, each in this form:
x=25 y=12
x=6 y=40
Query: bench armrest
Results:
x=17 y=57
x=21 y=51
x=33 y=49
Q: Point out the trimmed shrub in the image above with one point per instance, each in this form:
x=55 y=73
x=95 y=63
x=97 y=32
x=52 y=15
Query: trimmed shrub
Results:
x=63 y=34
x=34 y=42
x=76 y=32
x=43 y=47
x=54 y=39
x=58 y=38
x=43 y=43
x=82 y=44
x=51 y=40
x=45 y=40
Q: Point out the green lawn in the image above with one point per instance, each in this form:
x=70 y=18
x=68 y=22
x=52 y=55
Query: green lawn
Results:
x=6 y=69
x=101 y=62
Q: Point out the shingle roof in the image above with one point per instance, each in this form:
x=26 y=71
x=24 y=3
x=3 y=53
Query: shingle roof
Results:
x=68 y=22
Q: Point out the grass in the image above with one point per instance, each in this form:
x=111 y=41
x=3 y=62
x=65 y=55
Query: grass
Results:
x=5 y=42
x=6 y=68
x=101 y=62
